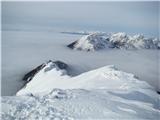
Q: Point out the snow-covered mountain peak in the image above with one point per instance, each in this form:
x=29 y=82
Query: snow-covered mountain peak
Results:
x=49 y=65
x=120 y=40
x=138 y=36
x=42 y=77
x=120 y=36
x=91 y=42
x=45 y=67
x=107 y=77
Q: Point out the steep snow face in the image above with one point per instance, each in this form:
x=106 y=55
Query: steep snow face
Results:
x=107 y=77
x=92 y=42
x=95 y=41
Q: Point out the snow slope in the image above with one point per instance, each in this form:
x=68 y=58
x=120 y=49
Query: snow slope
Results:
x=107 y=77
x=103 y=93
x=75 y=104
x=96 y=41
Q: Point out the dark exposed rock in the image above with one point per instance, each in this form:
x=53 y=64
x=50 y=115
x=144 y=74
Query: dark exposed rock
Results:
x=158 y=92
x=72 y=45
x=32 y=73
x=61 y=65
x=28 y=77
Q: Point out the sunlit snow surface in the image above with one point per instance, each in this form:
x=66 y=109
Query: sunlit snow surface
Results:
x=107 y=77
x=83 y=104
x=104 y=93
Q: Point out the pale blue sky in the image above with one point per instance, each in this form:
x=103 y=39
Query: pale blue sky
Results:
x=130 y=17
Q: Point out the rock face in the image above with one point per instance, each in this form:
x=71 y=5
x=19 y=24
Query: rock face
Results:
x=72 y=45
x=96 y=41
x=32 y=73
x=58 y=64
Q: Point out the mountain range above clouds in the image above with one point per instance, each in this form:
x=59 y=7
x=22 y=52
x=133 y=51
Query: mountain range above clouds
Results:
x=93 y=41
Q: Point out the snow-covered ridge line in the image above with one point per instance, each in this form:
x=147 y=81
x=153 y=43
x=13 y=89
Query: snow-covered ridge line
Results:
x=57 y=64
x=103 y=93
x=42 y=75
x=95 y=41
x=108 y=77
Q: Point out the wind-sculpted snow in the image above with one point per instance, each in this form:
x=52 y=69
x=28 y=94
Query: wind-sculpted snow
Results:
x=104 y=93
x=70 y=104
x=96 y=41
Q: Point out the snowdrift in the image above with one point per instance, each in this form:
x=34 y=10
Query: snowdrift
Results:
x=97 y=40
x=74 y=104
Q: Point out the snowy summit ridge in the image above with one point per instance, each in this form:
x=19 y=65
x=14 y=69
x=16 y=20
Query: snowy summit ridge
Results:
x=39 y=79
x=103 y=93
x=90 y=42
x=107 y=77
x=96 y=41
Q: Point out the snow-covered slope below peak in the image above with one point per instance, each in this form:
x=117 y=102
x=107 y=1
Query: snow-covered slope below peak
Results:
x=120 y=40
x=107 y=77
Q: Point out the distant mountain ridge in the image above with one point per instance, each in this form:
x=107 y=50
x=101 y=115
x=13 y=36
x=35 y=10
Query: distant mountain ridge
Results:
x=96 y=41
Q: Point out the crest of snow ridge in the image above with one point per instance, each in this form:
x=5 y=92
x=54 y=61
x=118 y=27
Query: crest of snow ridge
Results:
x=54 y=75
x=96 y=41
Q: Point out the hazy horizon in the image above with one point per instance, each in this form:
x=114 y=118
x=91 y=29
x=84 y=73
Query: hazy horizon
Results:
x=129 y=17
